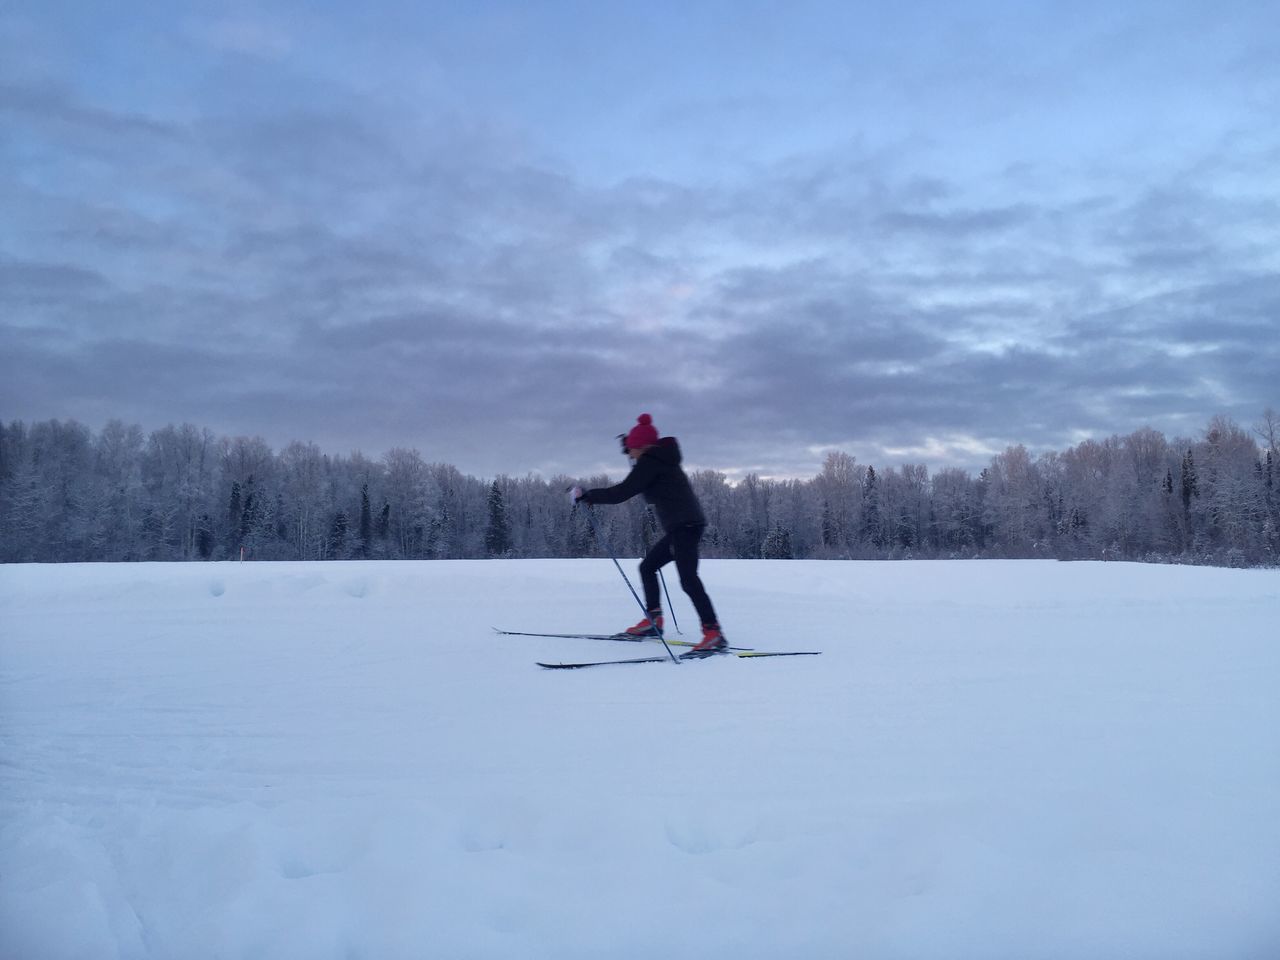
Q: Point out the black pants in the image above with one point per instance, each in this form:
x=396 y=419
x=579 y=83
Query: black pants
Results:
x=680 y=545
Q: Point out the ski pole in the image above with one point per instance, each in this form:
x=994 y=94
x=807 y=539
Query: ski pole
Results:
x=607 y=548
x=670 y=606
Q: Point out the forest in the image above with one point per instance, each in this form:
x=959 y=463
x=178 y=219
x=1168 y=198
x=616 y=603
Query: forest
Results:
x=68 y=493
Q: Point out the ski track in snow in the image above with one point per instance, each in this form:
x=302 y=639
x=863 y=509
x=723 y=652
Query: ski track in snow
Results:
x=991 y=759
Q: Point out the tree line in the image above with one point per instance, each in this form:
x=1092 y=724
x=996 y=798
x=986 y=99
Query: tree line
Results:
x=182 y=493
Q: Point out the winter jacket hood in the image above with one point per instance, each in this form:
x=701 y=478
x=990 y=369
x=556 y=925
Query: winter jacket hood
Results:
x=666 y=450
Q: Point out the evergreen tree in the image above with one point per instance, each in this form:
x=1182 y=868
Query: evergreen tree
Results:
x=1271 y=521
x=871 y=523
x=249 y=515
x=1269 y=481
x=777 y=545
x=1190 y=488
x=235 y=510
x=337 y=543
x=497 y=535
x=830 y=532
x=1169 y=538
x=366 y=521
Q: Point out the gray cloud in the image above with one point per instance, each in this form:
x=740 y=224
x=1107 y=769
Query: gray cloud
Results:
x=60 y=114
x=364 y=277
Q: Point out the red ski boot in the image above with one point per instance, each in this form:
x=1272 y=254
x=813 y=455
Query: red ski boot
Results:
x=650 y=626
x=713 y=642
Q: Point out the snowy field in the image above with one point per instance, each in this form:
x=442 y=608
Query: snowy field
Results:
x=341 y=760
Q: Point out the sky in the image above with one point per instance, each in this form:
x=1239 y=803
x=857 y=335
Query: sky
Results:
x=498 y=232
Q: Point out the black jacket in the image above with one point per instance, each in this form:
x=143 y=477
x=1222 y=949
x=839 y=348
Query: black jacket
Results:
x=657 y=474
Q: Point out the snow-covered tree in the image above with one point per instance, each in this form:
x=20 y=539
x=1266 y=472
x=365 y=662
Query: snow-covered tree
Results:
x=181 y=493
x=497 y=534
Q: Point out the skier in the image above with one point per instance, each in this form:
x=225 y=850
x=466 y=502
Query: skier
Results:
x=656 y=473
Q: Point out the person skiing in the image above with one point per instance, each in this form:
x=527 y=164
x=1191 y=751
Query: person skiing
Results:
x=657 y=474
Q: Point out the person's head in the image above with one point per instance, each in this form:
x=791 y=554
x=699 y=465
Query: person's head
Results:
x=642 y=436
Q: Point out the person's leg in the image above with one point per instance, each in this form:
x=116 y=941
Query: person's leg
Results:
x=685 y=547
x=659 y=555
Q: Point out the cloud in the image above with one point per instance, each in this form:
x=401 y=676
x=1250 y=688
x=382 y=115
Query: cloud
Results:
x=957 y=223
x=360 y=274
x=35 y=285
x=247 y=36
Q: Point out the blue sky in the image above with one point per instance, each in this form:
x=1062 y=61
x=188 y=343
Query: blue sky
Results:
x=497 y=232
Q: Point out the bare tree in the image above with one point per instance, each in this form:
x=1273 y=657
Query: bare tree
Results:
x=181 y=493
x=1268 y=428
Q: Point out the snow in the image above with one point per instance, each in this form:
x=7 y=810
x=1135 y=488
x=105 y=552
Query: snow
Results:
x=990 y=759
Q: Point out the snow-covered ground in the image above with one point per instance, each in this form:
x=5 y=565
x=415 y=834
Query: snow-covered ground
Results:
x=341 y=760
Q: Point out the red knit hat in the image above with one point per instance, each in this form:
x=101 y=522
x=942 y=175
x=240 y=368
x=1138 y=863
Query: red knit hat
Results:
x=643 y=434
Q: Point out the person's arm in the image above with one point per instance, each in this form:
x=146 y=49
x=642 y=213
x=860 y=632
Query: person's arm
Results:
x=641 y=476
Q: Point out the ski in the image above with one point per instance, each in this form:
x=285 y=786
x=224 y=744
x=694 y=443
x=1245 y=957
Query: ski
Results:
x=576 y=636
x=733 y=653
x=621 y=637
x=601 y=663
